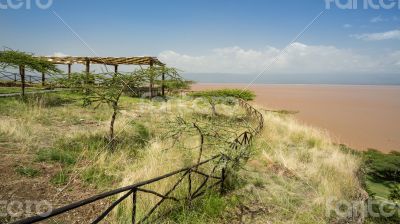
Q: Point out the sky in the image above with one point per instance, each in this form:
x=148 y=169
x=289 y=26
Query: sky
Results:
x=265 y=41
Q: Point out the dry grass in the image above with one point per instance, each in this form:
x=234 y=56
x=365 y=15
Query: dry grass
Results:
x=298 y=170
x=295 y=171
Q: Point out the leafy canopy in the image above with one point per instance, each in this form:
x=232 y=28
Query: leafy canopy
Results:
x=103 y=88
x=14 y=59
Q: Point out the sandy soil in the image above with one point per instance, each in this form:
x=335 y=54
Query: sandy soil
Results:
x=359 y=116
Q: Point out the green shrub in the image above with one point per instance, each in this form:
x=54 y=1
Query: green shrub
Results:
x=383 y=166
x=235 y=93
x=395 y=193
x=27 y=171
x=223 y=96
x=56 y=155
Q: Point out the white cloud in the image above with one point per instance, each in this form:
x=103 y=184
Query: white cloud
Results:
x=389 y=35
x=377 y=19
x=59 y=54
x=347 y=26
x=299 y=58
x=380 y=18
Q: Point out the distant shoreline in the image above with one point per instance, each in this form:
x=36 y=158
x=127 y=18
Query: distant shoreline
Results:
x=294 y=84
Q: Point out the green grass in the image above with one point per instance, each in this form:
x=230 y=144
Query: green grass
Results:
x=142 y=134
x=206 y=209
x=5 y=90
x=97 y=177
x=56 y=155
x=382 y=188
x=60 y=178
x=27 y=171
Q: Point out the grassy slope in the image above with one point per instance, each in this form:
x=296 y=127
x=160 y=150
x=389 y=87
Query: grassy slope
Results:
x=293 y=172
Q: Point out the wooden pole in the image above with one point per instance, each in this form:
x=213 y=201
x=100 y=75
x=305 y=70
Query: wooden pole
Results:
x=22 y=74
x=87 y=69
x=151 y=81
x=43 y=78
x=162 y=85
x=69 y=71
x=115 y=69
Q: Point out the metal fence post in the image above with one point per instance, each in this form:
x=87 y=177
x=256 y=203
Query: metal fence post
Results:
x=190 y=187
x=223 y=176
x=134 y=206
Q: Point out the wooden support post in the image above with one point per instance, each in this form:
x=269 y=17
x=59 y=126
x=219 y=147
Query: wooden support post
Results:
x=87 y=71
x=15 y=77
x=162 y=85
x=43 y=79
x=151 y=82
x=115 y=69
x=22 y=74
x=69 y=71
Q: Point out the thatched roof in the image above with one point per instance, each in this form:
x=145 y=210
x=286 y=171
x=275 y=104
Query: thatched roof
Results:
x=105 y=60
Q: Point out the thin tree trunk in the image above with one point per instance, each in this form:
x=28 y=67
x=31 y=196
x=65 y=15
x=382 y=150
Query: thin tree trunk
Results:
x=201 y=143
x=114 y=115
x=214 y=111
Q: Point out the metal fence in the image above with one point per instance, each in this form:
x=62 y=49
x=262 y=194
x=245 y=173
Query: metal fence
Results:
x=214 y=178
x=14 y=77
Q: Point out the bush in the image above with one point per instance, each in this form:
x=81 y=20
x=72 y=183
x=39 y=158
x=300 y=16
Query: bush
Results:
x=223 y=96
x=236 y=93
x=395 y=193
x=383 y=166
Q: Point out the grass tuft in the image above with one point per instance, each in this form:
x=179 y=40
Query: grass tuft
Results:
x=60 y=178
x=27 y=171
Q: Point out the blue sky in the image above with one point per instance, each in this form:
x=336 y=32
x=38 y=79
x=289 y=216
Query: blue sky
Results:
x=194 y=34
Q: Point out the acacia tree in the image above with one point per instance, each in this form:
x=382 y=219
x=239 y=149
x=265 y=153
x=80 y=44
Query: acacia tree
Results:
x=153 y=74
x=223 y=96
x=104 y=89
x=174 y=86
x=25 y=61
